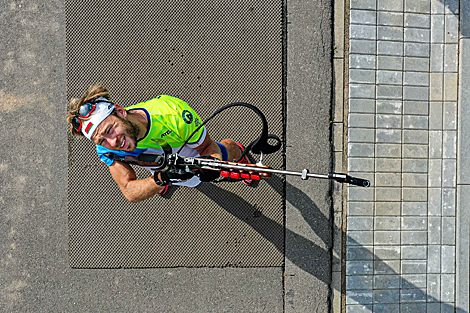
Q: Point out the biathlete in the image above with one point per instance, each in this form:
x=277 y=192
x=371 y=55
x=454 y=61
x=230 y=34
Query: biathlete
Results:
x=138 y=129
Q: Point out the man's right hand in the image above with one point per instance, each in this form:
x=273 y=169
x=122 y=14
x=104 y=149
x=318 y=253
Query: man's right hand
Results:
x=172 y=176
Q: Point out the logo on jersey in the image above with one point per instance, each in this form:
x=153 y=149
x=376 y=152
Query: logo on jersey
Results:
x=187 y=117
x=166 y=133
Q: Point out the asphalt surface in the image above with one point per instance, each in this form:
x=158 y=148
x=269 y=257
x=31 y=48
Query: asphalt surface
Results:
x=34 y=273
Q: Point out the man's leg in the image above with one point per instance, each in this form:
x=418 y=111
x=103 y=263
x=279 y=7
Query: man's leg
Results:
x=233 y=150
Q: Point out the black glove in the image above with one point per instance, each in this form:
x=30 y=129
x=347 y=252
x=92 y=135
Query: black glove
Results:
x=172 y=176
x=208 y=175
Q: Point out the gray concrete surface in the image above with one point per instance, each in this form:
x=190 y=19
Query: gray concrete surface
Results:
x=34 y=271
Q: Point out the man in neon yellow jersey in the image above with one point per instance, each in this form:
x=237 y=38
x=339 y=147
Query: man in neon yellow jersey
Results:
x=137 y=129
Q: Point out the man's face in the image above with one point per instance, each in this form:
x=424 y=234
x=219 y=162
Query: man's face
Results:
x=116 y=133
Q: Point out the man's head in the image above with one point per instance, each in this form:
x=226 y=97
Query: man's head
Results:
x=101 y=121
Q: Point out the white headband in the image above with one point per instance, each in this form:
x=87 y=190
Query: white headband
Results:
x=102 y=111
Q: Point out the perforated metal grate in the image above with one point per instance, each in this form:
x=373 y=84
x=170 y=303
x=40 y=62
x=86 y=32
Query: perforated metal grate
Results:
x=208 y=54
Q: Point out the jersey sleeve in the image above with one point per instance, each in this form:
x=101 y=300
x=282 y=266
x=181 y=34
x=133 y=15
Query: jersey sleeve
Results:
x=185 y=121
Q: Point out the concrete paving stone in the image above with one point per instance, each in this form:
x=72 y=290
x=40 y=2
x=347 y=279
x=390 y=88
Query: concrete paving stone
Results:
x=418 y=6
x=435 y=173
x=359 y=267
x=361 y=208
x=386 y=281
x=414 y=208
x=417 y=35
x=414 y=223
x=437 y=58
x=415 y=180
x=390 y=18
x=362 y=76
x=361 y=164
x=362 y=32
x=414 y=252
x=436 y=116
x=414 y=238
x=387 y=252
x=384 y=5
x=387 y=208
x=415 y=93
x=415 y=166
x=338 y=136
x=463 y=110
x=433 y=287
x=415 y=151
x=359 y=282
x=416 y=79
x=435 y=144
x=415 y=122
x=433 y=307
x=388 y=135
x=413 y=308
x=417 y=20
x=361 y=150
x=390 y=77
x=361 y=106
x=465 y=27
x=435 y=230
x=360 y=223
x=436 y=86
x=362 y=91
x=388 y=179
x=386 y=223
x=363 y=4
x=451 y=58
x=448 y=307
x=390 y=92
x=386 y=295
x=339 y=9
x=362 y=46
x=359 y=308
x=386 y=308
x=462 y=257
x=452 y=7
x=386 y=237
x=358 y=297
x=414 y=49
x=434 y=259
x=448 y=201
x=387 y=267
x=415 y=194
x=360 y=194
x=449 y=144
x=416 y=108
x=392 y=33
x=450 y=86
x=388 y=194
x=359 y=253
x=388 y=121
x=448 y=259
x=362 y=61
x=413 y=267
x=435 y=202
x=416 y=64
x=388 y=165
x=413 y=281
x=385 y=62
x=437 y=28
x=448 y=231
x=448 y=173
x=437 y=7
x=451 y=28
x=364 y=175
x=361 y=135
x=447 y=287
x=366 y=17
x=389 y=106
x=415 y=136
x=450 y=116
x=413 y=295
x=393 y=48
x=384 y=150
x=360 y=238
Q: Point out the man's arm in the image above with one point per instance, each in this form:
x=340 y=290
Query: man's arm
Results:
x=134 y=189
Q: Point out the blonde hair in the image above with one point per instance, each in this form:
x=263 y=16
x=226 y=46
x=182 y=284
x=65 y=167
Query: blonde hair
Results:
x=93 y=92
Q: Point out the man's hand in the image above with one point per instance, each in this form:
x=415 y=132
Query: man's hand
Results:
x=208 y=175
x=172 y=176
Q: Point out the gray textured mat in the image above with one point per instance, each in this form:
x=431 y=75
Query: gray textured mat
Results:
x=209 y=54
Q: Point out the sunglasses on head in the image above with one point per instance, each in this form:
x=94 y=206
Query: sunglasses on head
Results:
x=85 y=112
